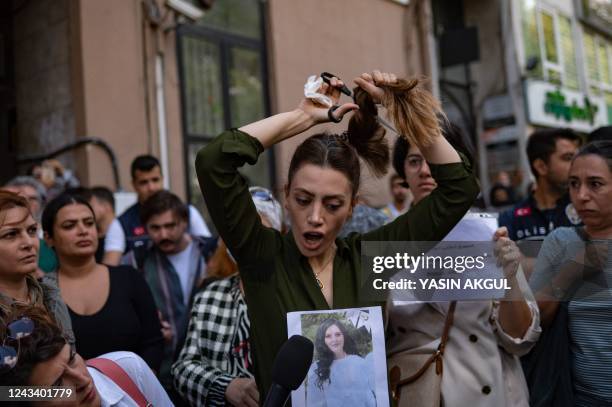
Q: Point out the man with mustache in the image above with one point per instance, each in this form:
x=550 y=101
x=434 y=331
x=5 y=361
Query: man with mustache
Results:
x=174 y=265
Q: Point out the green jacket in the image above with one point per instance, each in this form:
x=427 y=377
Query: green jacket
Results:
x=277 y=277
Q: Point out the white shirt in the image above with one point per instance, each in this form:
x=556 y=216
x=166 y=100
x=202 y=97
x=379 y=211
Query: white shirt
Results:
x=112 y=395
x=115 y=237
x=180 y=262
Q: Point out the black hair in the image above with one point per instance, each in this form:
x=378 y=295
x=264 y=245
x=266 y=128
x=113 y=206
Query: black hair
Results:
x=103 y=194
x=602 y=148
x=600 y=134
x=451 y=132
x=414 y=112
x=80 y=191
x=543 y=143
x=160 y=202
x=325 y=355
x=64 y=199
x=143 y=163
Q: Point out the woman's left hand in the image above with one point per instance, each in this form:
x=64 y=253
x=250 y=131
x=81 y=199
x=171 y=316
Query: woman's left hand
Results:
x=319 y=113
x=371 y=83
x=507 y=252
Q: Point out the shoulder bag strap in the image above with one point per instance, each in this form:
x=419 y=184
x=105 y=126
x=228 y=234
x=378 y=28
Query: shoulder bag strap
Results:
x=437 y=355
x=116 y=373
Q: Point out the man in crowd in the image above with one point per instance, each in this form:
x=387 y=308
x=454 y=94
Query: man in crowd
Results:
x=102 y=201
x=126 y=233
x=550 y=154
x=400 y=195
x=174 y=266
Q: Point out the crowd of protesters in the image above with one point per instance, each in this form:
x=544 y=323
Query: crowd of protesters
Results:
x=196 y=319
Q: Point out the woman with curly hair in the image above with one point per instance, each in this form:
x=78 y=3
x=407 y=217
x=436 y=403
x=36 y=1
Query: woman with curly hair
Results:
x=337 y=377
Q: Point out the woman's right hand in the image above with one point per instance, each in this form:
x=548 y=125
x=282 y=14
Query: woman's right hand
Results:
x=319 y=113
x=242 y=392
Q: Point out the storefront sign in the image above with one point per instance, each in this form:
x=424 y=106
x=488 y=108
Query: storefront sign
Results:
x=552 y=106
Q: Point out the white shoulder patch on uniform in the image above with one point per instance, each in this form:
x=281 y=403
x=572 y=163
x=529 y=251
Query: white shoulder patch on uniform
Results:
x=572 y=215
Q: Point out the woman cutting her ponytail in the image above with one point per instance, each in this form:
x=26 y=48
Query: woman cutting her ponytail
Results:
x=310 y=268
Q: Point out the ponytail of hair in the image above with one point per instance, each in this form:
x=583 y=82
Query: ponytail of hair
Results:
x=415 y=112
x=367 y=136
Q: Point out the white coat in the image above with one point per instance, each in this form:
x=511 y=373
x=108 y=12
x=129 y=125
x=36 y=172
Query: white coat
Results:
x=481 y=361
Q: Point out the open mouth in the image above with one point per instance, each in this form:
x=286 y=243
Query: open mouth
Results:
x=313 y=239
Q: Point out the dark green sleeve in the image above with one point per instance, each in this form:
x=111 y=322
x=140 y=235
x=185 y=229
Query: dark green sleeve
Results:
x=435 y=216
x=229 y=201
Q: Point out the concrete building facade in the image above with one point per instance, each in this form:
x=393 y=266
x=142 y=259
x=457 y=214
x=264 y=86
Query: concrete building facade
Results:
x=145 y=79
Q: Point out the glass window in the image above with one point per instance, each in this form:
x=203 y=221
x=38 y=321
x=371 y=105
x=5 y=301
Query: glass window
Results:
x=236 y=16
x=554 y=76
x=604 y=66
x=223 y=84
x=202 y=87
x=257 y=174
x=548 y=30
x=609 y=105
x=549 y=37
x=569 y=53
x=590 y=52
x=246 y=90
x=196 y=198
x=594 y=91
x=530 y=35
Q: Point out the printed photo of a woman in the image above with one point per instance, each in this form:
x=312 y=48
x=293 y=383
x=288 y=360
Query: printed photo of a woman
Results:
x=339 y=375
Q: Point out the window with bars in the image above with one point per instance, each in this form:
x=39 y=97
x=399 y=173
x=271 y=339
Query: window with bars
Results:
x=223 y=76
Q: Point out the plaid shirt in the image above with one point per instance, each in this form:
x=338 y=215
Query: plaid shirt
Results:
x=216 y=349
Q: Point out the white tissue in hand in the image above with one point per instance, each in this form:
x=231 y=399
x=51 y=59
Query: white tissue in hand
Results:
x=312 y=85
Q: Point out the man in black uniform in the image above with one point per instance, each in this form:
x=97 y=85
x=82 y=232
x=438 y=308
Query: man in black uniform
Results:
x=550 y=154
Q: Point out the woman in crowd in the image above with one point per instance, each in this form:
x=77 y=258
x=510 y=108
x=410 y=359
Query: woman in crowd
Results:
x=340 y=376
x=111 y=308
x=310 y=268
x=46 y=359
x=215 y=366
x=486 y=338
x=572 y=280
x=410 y=164
x=19 y=246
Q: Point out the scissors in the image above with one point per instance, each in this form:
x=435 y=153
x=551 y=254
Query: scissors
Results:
x=326 y=76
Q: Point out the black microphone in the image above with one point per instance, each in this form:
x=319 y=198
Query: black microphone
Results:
x=289 y=369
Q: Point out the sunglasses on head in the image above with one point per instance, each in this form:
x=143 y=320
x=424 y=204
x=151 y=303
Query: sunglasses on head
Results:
x=17 y=330
x=262 y=195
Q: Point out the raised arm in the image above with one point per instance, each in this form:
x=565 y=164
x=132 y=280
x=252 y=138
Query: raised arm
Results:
x=225 y=190
x=277 y=128
x=415 y=113
x=424 y=132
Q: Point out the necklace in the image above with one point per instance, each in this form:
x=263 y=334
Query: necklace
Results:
x=319 y=282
